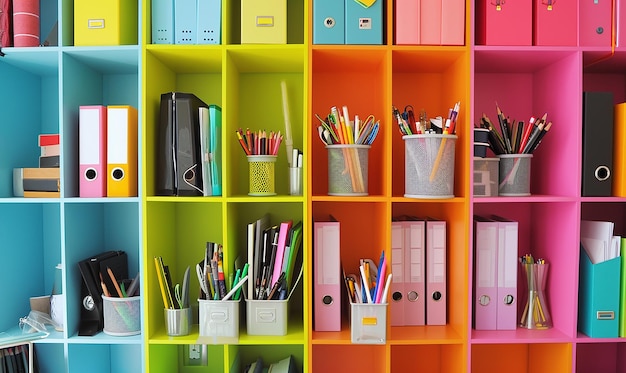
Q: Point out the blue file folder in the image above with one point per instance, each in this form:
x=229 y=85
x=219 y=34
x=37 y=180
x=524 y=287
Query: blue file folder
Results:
x=329 y=22
x=162 y=21
x=364 y=25
x=598 y=301
x=185 y=21
x=209 y=17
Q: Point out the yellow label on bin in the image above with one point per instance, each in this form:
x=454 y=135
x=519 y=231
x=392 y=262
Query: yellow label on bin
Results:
x=369 y=321
x=95 y=23
x=265 y=21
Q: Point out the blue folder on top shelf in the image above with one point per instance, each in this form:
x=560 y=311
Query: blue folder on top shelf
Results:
x=162 y=21
x=329 y=22
x=209 y=15
x=598 y=300
x=364 y=25
x=185 y=21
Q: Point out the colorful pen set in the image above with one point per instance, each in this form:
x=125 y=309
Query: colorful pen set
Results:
x=259 y=142
x=372 y=284
x=210 y=272
x=408 y=125
x=535 y=314
x=340 y=129
x=515 y=137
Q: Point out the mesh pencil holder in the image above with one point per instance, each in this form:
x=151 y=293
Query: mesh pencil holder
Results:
x=347 y=169
x=262 y=175
x=122 y=316
x=429 y=166
x=514 y=174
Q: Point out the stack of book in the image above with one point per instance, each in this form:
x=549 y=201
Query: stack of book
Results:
x=42 y=181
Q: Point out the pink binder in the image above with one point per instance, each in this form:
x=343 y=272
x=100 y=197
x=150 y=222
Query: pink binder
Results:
x=407 y=22
x=595 y=23
x=555 y=22
x=430 y=19
x=396 y=308
x=414 y=282
x=436 y=275
x=326 y=277
x=500 y=22
x=92 y=145
x=453 y=22
x=507 y=275
x=485 y=274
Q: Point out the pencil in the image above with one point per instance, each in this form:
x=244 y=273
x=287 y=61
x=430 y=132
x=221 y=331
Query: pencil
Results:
x=117 y=286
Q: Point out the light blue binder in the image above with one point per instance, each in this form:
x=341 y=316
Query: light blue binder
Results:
x=185 y=24
x=364 y=25
x=162 y=21
x=209 y=16
x=329 y=22
x=598 y=300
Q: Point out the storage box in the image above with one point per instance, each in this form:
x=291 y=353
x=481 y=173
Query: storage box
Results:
x=364 y=25
x=439 y=22
x=368 y=323
x=105 y=22
x=486 y=171
x=219 y=321
x=267 y=317
x=555 y=22
x=263 y=22
x=500 y=22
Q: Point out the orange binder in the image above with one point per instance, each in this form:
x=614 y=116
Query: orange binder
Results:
x=619 y=150
x=121 y=151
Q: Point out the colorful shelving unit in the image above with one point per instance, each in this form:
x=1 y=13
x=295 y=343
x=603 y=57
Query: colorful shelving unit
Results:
x=44 y=86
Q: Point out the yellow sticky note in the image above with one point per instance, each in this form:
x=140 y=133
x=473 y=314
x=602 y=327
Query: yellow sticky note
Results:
x=366 y=3
x=369 y=321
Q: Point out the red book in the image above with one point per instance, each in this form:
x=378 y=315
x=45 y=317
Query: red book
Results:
x=26 y=23
x=49 y=139
x=6 y=36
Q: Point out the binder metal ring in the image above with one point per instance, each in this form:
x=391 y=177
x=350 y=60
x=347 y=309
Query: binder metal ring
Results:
x=327 y=300
x=91 y=174
x=412 y=296
x=602 y=173
x=117 y=174
x=396 y=296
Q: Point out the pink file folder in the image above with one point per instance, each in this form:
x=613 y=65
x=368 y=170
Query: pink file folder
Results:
x=407 y=22
x=555 y=22
x=507 y=275
x=485 y=274
x=620 y=22
x=326 y=277
x=92 y=146
x=414 y=282
x=436 y=274
x=396 y=308
x=500 y=22
x=594 y=22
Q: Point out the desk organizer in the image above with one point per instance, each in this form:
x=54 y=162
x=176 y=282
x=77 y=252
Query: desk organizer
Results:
x=219 y=320
x=368 y=323
x=122 y=316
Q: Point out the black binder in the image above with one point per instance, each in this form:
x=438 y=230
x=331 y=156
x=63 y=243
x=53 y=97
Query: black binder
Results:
x=179 y=159
x=597 y=144
x=91 y=315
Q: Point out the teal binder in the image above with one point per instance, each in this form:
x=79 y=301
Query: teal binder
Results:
x=329 y=22
x=599 y=295
x=364 y=25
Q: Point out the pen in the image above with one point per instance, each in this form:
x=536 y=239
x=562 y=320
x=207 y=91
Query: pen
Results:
x=236 y=288
x=365 y=285
x=383 y=299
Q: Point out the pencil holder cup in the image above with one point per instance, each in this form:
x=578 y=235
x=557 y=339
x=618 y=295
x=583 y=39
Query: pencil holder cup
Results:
x=122 y=316
x=535 y=314
x=177 y=321
x=262 y=175
x=219 y=321
x=347 y=169
x=514 y=178
x=368 y=323
x=429 y=165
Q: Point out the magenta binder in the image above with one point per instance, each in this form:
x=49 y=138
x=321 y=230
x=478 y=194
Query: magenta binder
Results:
x=507 y=274
x=407 y=22
x=555 y=22
x=326 y=277
x=500 y=22
x=485 y=273
x=436 y=275
x=594 y=27
x=92 y=145
x=620 y=22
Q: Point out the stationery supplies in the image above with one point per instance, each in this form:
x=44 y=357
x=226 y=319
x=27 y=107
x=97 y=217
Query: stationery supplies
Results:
x=486 y=177
x=514 y=174
x=122 y=316
x=597 y=143
x=26 y=23
x=177 y=321
x=92 y=147
x=429 y=155
x=327 y=275
x=107 y=22
x=535 y=314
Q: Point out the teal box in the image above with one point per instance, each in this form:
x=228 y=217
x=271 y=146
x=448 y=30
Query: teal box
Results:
x=329 y=17
x=598 y=301
x=364 y=25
